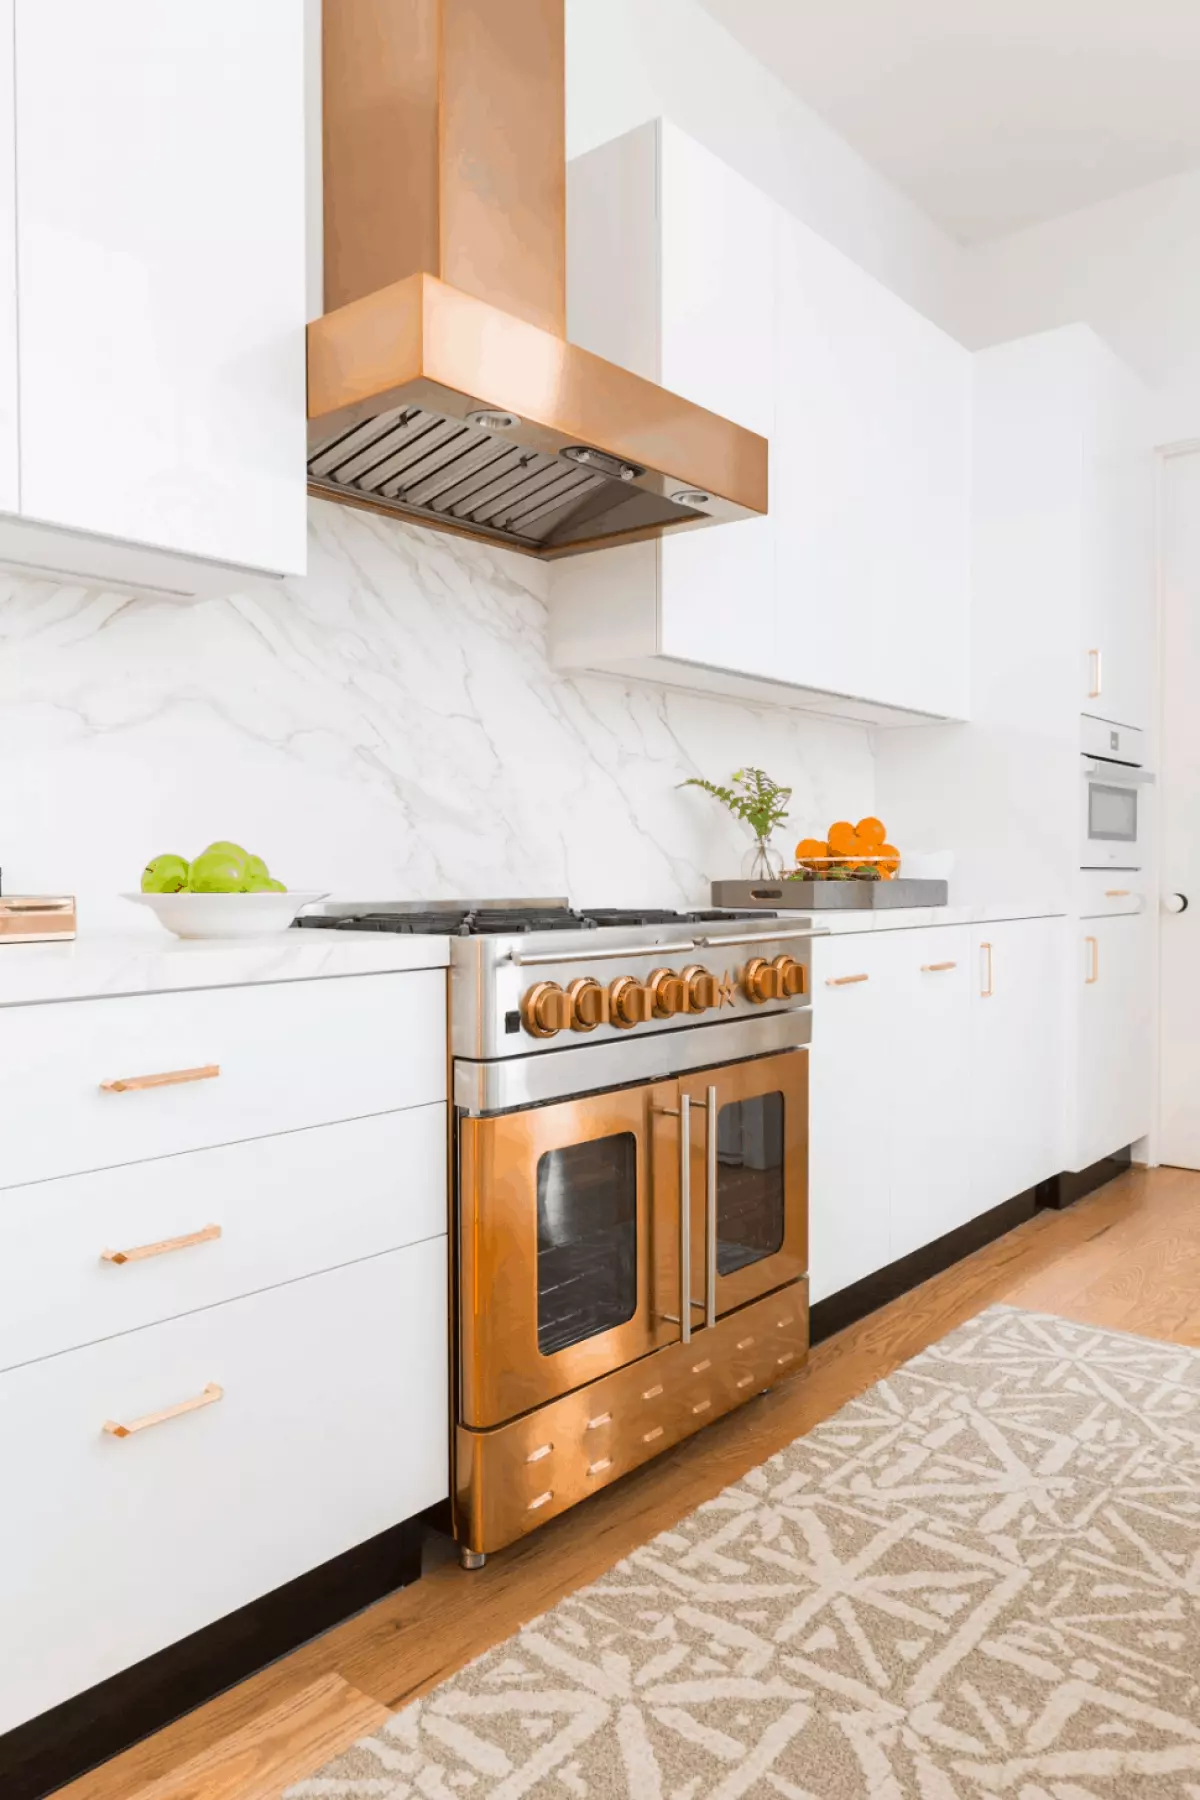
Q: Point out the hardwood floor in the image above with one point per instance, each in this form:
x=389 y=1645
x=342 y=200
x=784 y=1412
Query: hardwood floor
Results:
x=1128 y=1257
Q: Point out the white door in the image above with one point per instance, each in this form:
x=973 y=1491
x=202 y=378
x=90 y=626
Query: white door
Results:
x=1179 y=1120
x=929 y=1078
x=1018 y=1096
x=1113 y=978
x=717 y=288
x=160 y=169
x=856 y=1040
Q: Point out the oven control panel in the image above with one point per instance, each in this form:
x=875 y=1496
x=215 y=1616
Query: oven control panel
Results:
x=629 y=1001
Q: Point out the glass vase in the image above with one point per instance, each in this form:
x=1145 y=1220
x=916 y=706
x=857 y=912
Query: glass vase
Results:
x=764 y=862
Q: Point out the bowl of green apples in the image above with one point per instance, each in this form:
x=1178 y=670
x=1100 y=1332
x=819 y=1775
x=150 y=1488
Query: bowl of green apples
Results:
x=225 y=892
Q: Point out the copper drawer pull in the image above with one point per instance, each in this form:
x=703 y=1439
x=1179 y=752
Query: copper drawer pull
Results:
x=844 y=980
x=128 y=1084
x=1117 y=893
x=986 y=993
x=937 y=968
x=207 y=1235
x=211 y=1394
x=1094 y=943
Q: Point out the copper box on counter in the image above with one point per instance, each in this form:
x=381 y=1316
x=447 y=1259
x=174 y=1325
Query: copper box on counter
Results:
x=36 y=918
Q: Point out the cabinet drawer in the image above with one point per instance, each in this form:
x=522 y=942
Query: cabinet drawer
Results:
x=331 y=1426
x=285 y=1207
x=293 y=1054
x=1107 y=893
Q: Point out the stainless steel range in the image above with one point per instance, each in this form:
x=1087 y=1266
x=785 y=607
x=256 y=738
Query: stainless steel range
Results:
x=630 y=1199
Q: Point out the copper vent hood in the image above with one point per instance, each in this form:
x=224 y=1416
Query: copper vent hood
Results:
x=440 y=383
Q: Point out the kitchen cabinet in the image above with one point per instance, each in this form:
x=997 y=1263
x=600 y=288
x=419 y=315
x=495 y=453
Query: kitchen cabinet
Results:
x=1112 y=978
x=1117 y=660
x=1017 y=1090
x=870 y=482
x=851 y=596
x=152 y=298
x=937 y=1085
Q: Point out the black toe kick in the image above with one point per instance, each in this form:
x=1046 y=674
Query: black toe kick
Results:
x=836 y=1311
x=46 y=1752
x=1063 y=1190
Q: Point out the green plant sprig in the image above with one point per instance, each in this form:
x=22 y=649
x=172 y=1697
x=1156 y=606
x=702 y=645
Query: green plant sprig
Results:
x=752 y=796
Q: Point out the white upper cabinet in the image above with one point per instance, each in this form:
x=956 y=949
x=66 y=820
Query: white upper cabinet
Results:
x=870 y=487
x=1118 y=622
x=851 y=596
x=157 y=313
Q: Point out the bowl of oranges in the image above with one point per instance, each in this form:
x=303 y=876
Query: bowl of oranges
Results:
x=848 y=853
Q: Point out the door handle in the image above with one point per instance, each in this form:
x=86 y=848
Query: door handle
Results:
x=1176 y=903
x=710 y=1208
x=1088 y=980
x=206 y=1235
x=1097 y=675
x=987 y=990
x=132 y=1084
x=937 y=968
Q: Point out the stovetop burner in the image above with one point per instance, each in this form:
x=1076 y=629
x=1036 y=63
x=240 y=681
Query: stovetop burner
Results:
x=480 y=921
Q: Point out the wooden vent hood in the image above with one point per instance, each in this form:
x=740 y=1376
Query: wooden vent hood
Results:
x=440 y=383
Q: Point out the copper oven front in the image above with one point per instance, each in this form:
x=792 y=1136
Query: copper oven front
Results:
x=573 y=1238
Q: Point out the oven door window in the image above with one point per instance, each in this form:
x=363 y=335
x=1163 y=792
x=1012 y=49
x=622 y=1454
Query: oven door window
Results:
x=1112 y=813
x=586 y=1240
x=750 y=1181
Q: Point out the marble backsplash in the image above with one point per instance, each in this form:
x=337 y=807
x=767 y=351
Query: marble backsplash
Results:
x=387 y=726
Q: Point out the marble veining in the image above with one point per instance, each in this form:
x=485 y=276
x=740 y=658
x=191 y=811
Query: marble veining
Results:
x=388 y=726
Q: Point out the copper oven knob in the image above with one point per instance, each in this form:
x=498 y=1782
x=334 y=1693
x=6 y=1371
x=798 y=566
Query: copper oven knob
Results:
x=545 y=1009
x=793 y=975
x=589 y=1004
x=629 y=1003
x=703 y=990
x=762 y=980
x=668 y=993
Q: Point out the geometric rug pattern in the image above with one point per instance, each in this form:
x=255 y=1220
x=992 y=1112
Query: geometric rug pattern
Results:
x=980 y=1579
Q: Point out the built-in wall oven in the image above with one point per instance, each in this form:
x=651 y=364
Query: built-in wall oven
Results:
x=1115 y=825
x=631 y=1201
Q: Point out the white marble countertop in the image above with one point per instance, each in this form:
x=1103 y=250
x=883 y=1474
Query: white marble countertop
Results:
x=98 y=963
x=901 y=918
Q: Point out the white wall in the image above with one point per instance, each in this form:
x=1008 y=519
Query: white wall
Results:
x=387 y=726
x=1129 y=267
x=633 y=60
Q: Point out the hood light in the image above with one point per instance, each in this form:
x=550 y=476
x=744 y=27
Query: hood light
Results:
x=690 y=497
x=487 y=420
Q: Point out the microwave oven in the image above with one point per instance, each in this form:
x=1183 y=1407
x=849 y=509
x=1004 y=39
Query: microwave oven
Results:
x=1115 y=781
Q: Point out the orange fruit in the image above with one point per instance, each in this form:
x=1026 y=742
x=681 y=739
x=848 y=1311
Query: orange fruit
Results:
x=889 y=858
x=809 y=849
x=872 y=832
x=843 y=839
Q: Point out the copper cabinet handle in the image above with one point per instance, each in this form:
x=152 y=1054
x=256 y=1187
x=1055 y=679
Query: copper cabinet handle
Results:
x=710 y=1207
x=205 y=1235
x=128 y=1084
x=1097 y=675
x=986 y=992
x=1117 y=893
x=685 y=1218
x=937 y=968
x=1095 y=974
x=844 y=980
x=209 y=1397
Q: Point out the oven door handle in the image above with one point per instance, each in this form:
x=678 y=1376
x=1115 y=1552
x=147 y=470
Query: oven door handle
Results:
x=763 y=937
x=1117 y=774
x=609 y=953
x=711 y=1110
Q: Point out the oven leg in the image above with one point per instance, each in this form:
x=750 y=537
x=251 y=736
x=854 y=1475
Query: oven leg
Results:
x=471 y=1559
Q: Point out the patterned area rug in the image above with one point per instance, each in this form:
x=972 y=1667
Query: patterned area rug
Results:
x=979 y=1579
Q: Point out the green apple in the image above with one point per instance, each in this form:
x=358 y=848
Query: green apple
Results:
x=257 y=867
x=276 y=887
x=217 y=872
x=226 y=845
x=255 y=884
x=165 y=875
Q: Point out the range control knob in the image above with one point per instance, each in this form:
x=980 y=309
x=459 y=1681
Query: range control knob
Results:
x=589 y=1004
x=629 y=1002
x=545 y=1010
x=668 y=992
x=793 y=974
x=703 y=990
x=762 y=980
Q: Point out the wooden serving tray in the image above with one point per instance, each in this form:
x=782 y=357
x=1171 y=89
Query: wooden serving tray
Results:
x=830 y=896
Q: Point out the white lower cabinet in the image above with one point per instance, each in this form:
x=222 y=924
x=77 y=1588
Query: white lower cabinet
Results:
x=1111 y=977
x=330 y=1427
x=1017 y=1046
x=933 y=1099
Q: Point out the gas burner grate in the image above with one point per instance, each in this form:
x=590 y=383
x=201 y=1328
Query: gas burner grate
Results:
x=469 y=921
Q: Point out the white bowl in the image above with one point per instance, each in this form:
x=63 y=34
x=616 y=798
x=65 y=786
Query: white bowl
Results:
x=225 y=915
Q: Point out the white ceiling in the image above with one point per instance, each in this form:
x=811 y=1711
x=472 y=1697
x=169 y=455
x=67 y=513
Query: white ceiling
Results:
x=991 y=114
